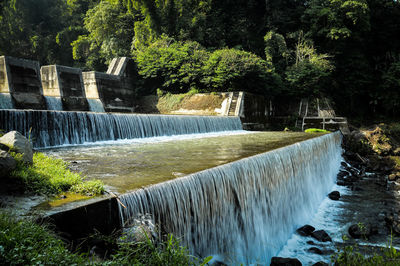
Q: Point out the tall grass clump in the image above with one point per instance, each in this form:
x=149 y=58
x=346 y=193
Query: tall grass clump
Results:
x=146 y=252
x=26 y=243
x=349 y=255
x=47 y=175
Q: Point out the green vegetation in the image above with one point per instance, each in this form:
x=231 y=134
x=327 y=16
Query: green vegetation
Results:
x=342 y=49
x=26 y=243
x=147 y=253
x=316 y=130
x=51 y=176
x=351 y=255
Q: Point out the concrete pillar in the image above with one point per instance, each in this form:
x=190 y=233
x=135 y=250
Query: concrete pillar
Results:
x=20 y=81
x=67 y=84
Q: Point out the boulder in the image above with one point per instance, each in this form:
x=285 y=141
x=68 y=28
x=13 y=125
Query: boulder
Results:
x=393 y=224
x=305 y=230
x=278 y=261
x=320 y=263
x=18 y=143
x=334 y=195
x=7 y=163
x=362 y=231
x=315 y=250
x=321 y=236
x=141 y=230
x=4 y=147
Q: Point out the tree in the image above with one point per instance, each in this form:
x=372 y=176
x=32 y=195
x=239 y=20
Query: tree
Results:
x=29 y=28
x=236 y=70
x=308 y=76
x=171 y=66
x=276 y=51
x=110 y=33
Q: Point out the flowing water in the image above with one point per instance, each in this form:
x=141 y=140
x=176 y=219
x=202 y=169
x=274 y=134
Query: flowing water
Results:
x=53 y=103
x=5 y=101
x=95 y=105
x=244 y=211
x=131 y=164
x=54 y=128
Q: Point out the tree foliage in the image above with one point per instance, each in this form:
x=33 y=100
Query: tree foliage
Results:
x=349 y=50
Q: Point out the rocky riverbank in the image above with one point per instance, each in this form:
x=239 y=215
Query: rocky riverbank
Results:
x=362 y=214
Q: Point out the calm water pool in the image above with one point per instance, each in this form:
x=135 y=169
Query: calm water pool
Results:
x=125 y=166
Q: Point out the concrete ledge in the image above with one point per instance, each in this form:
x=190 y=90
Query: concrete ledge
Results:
x=79 y=222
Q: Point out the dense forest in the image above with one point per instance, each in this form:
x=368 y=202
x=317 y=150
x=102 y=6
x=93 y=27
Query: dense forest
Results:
x=347 y=50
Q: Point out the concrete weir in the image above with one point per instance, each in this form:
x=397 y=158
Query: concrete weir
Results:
x=243 y=211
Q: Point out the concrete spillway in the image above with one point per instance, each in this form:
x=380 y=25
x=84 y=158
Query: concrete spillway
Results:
x=52 y=128
x=244 y=211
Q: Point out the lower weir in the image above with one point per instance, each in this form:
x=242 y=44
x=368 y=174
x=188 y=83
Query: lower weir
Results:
x=54 y=128
x=244 y=211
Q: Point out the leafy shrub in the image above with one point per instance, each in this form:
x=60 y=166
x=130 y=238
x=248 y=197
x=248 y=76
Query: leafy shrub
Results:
x=236 y=70
x=50 y=175
x=179 y=67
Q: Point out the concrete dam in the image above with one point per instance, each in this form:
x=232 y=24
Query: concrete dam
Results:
x=26 y=85
x=225 y=192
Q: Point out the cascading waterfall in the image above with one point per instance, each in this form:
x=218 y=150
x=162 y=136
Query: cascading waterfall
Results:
x=53 y=128
x=53 y=103
x=244 y=211
x=5 y=101
x=95 y=105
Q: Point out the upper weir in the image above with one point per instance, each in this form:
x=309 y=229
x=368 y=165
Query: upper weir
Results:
x=54 y=128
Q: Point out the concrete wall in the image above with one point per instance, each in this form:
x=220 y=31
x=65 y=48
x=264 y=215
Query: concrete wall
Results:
x=80 y=222
x=254 y=111
x=21 y=78
x=114 y=88
x=66 y=83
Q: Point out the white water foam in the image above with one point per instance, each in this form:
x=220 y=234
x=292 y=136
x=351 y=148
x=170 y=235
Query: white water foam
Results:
x=54 y=128
x=161 y=139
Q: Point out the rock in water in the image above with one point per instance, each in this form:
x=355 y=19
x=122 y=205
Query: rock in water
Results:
x=305 y=230
x=315 y=250
x=278 y=261
x=18 y=143
x=362 y=231
x=320 y=263
x=7 y=164
x=321 y=236
x=334 y=195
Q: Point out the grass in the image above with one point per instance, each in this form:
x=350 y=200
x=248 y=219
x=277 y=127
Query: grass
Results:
x=27 y=243
x=49 y=175
x=316 y=130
